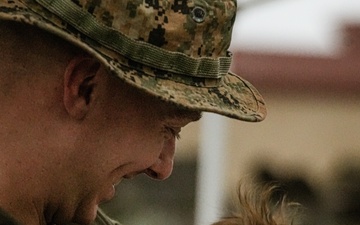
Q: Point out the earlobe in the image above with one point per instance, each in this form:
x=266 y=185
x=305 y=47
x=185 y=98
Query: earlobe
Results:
x=79 y=83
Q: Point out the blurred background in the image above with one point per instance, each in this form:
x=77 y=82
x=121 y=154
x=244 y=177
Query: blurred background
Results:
x=304 y=57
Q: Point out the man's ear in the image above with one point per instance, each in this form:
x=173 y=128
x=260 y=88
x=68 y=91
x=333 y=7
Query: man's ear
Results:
x=79 y=82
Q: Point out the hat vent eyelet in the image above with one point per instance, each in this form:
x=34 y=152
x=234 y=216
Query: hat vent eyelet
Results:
x=198 y=14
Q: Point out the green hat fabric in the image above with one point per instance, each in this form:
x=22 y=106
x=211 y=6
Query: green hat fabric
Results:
x=176 y=50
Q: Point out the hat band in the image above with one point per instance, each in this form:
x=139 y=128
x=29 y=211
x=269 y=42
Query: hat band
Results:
x=138 y=51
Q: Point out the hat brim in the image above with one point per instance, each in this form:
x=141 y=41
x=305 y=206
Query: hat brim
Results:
x=233 y=96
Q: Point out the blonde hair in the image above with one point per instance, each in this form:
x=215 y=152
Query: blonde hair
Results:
x=255 y=206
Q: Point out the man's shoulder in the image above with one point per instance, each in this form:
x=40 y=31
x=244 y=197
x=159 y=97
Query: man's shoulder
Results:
x=101 y=219
x=6 y=219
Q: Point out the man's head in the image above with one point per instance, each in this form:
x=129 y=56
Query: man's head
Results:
x=80 y=128
x=258 y=204
x=105 y=97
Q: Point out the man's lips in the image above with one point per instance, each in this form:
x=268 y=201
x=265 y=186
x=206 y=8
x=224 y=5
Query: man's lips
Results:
x=132 y=175
x=117 y=182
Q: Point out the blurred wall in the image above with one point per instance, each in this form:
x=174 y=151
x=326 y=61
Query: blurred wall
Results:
x=311 y=134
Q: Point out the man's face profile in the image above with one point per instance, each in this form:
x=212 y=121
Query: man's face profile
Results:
x=126 y=133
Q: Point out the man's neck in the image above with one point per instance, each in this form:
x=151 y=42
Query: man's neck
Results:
x=20 y=198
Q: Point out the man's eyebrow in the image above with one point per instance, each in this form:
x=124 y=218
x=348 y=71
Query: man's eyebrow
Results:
x=187 y=114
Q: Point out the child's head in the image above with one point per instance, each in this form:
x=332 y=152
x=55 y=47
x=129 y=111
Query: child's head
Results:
x=256 y=205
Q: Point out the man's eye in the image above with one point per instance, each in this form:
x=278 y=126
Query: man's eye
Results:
x=175 y=132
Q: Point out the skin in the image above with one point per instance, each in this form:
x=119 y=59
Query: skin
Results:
x=71 y=131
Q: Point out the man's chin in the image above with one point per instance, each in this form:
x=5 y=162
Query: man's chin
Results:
x=86 y=215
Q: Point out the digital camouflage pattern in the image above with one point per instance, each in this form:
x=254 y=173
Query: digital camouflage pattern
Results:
x=176 y=50
x=101 y=219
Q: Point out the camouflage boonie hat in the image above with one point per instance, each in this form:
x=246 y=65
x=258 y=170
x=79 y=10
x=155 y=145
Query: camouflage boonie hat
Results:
x=176 y=50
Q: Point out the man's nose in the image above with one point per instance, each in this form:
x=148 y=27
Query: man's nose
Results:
x=163 y=167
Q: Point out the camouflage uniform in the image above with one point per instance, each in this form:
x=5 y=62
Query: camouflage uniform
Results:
x=101 y=219
x=5 y=219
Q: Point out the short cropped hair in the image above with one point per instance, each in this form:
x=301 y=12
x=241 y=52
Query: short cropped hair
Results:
x=24 y=48
x=27 y=36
